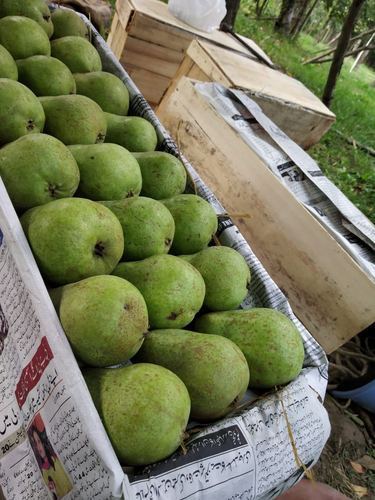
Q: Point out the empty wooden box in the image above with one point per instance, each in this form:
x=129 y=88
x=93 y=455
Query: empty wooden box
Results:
x=328 y=290
x=151 y=44
x=296 y=110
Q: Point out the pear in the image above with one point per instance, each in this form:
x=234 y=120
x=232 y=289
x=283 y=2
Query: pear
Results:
x=23 y=37
x=36 y=169
x=132 y=132
x=74 y=119
x=271 y=343
x=67 y=23
x=8 y=66
x=172 y=288
x=77 y=53
x=20 y=111
x=195 y=220
x=163 y=174
x=213 y=368
x=147 y=224
x=105 y=89
x=46 y=76
x=73 y=239
x=105 y=319
x=144 y=408
x=34 y=9
x=226 y=276
x=108 y=172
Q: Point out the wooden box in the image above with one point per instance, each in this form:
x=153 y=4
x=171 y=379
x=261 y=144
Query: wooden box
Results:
x=296 y=110
x=151 y=43
x=328 y=291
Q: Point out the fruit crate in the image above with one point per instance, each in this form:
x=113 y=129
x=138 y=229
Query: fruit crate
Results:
x=254 y=174
x=150 y=43
x=258 y=452
x=155 y=49
x=289 y=104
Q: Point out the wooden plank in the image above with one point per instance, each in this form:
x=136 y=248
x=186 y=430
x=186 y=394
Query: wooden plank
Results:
x=248 y=74
x=328 y=291
x=117 y=37
x=125 y=11
x=149 y=61
x=151 y=85
x=154 y=50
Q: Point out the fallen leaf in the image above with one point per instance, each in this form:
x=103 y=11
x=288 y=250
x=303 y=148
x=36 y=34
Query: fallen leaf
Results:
x=367 y=462
x=360 y=491
x=357 y=467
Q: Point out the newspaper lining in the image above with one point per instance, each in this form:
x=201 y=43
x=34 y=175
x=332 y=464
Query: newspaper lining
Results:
x=298 y=171
x=43 y=395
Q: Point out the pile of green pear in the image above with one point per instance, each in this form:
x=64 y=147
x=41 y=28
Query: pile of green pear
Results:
x=128 y=256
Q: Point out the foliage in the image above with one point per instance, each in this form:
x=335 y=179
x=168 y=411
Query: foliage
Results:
x=351 y=169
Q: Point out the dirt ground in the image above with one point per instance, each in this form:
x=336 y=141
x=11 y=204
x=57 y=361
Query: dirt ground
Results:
x=348 y=460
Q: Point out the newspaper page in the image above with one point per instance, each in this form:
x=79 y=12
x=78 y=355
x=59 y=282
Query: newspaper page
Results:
x=249 y=456
x=298 y=171
x=52 y=442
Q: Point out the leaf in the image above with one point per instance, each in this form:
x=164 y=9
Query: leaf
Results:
x=357 y=467
x=360 y=491
x=367 y=462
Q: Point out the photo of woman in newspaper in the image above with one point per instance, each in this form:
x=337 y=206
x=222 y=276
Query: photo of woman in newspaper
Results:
x=50 y=466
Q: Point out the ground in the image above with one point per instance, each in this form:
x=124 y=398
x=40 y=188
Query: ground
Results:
x=351 y=439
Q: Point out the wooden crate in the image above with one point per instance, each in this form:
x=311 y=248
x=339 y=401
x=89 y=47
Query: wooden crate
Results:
x=328 y=291
x=151 y=43
x=296 y=110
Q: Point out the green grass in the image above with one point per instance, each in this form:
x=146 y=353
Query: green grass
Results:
x=351 y=169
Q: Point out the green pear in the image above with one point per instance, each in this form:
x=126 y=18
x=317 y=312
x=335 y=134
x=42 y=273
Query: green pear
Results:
x=23 y=37
x=172 y=288
x=105 y=319
x=213 y=368
x=20 y=111
x=74 y=119
x=226 y=276
x=67 y=23
x=144 y=408
x=271 y=343
x=163 y=174
x=147 y=224
x=77 y=53
x=34 y=9
x=36 y=169
x=46 y=76
x=73 y=239
x=132 y=132
x=105 y=89
x=8 y=66
x=108 y=172
x=196 y=223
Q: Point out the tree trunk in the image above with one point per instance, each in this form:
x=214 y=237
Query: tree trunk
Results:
x=341 y=48
x=227 y=24
x=297 y=30
x=292 y=16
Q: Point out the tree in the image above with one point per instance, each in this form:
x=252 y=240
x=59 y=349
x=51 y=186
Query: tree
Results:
x=342 y=46
x=227 y=23
x=291 y=15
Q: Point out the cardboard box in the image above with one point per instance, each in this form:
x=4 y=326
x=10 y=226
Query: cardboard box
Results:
x=330 y=293
x=296 y=110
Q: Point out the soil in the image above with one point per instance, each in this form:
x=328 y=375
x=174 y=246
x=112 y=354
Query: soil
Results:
x=352 y=438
